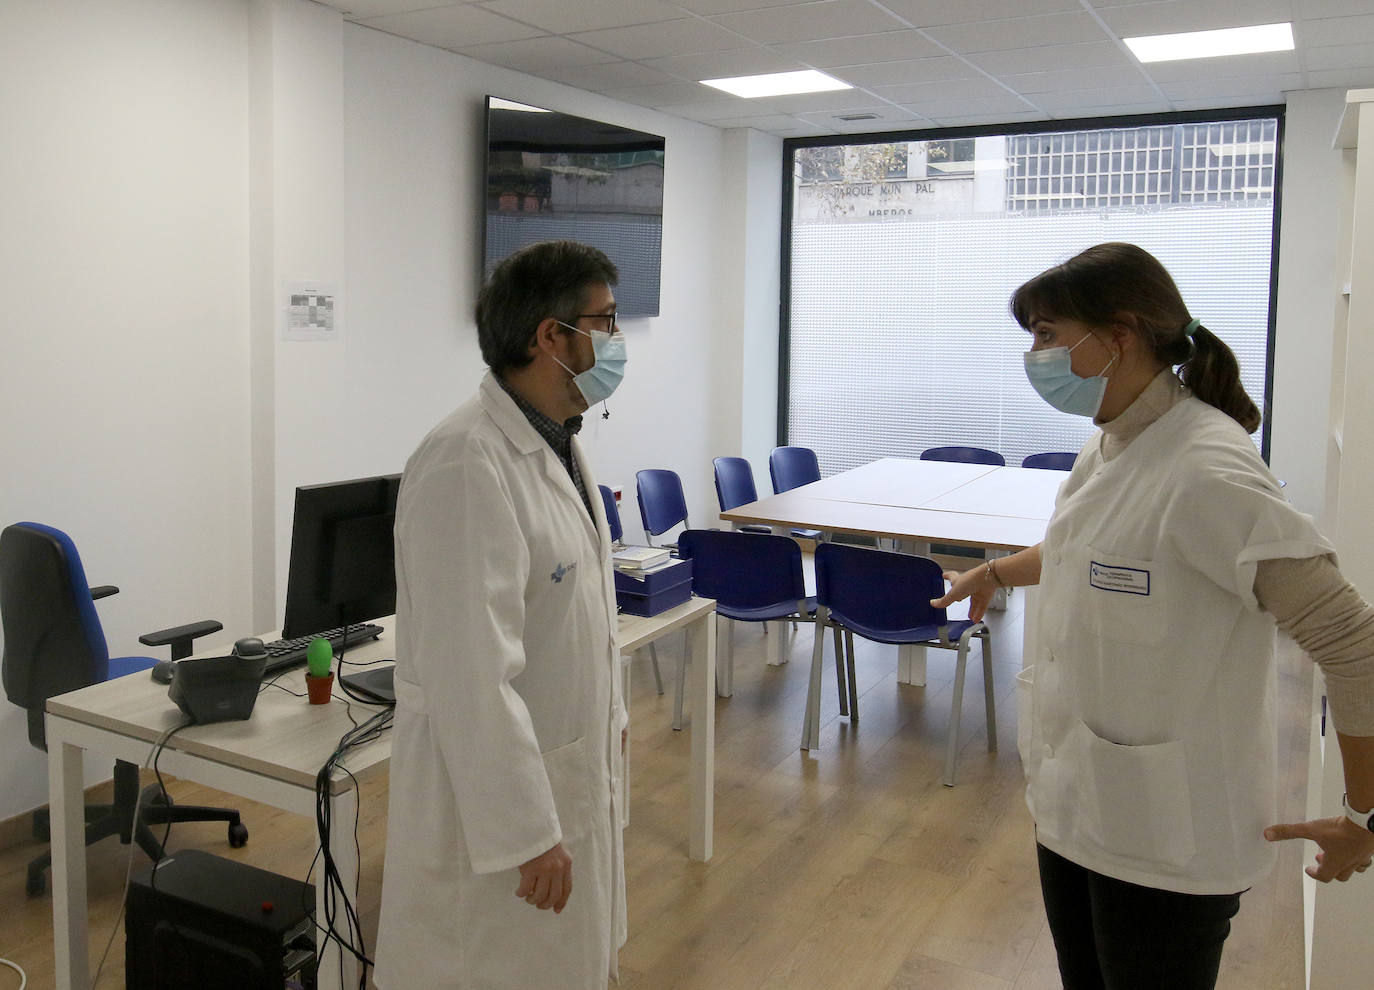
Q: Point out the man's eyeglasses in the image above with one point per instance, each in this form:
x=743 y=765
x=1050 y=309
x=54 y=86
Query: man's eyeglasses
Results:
x=610 y=326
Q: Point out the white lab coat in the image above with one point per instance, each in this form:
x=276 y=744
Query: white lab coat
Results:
x=1153 y=755
x=508 y=714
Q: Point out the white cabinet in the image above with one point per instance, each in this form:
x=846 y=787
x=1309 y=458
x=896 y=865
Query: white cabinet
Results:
x=1341 y=951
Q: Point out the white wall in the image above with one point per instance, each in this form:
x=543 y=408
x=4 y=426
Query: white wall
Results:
x=123 y=340
x=751 y=257
x=414 y=126
x=166 y=171
x=1307 y=295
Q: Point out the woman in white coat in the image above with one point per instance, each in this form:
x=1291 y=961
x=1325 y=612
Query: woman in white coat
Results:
x=508 y=707
x=1152 y=770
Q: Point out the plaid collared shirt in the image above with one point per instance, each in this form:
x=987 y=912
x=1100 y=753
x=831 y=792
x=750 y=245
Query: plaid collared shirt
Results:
x=558 y=436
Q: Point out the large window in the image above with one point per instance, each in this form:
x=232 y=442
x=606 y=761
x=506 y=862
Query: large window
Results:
x=903 y=253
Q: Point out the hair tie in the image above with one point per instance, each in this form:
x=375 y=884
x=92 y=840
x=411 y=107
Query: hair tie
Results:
x=1192 y=325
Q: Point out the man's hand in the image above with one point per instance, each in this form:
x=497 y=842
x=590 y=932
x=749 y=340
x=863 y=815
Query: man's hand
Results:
x=546 y=880
x=1345 y=847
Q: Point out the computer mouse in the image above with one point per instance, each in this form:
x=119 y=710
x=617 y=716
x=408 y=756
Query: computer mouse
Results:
x=250 y=648
x=163 y=671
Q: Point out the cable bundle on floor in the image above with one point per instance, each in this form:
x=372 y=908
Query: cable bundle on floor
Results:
x=336 y=894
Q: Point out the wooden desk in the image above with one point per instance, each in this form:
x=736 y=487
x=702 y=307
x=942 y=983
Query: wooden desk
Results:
x=916 y=503
x=274 y=756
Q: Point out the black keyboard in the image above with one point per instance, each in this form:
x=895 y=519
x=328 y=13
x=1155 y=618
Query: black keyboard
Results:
x=285 y=653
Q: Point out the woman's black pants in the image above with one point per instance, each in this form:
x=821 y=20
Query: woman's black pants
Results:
x=1113 y=935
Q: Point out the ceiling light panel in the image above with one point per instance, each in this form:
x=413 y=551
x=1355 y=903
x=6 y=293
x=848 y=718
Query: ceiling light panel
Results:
x=778 y=84
x=1213 y=44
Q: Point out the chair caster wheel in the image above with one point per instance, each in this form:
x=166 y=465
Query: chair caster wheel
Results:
x=238 y=835
x=35 y=884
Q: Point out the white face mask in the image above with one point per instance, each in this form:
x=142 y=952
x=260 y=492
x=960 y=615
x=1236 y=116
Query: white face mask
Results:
x=608 y=369
x=1051 y=375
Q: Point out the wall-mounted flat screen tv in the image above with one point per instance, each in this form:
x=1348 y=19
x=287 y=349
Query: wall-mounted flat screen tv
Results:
x=553 y=176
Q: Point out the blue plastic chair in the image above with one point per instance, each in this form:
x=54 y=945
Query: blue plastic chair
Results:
x=612 y=513
x=54 y=644
x=792 y=467
x=964 y=455
x=661 y=502
x=617 y=532
x=753 y=578
x=885 y=597
x=735 y=487
x=1052 y=461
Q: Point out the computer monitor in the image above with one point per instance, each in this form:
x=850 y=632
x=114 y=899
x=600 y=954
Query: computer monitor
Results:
x=343 y=561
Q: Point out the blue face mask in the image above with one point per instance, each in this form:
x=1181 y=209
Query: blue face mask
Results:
x=1051 y=375
x=598 y=382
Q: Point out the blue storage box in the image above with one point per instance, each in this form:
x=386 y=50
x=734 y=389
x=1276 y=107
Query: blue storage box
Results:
x=656 y=591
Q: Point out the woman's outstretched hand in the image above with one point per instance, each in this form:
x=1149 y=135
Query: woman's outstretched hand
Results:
x=974 y=584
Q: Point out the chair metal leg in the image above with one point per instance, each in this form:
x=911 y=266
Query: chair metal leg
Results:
x=776 y=649
x=853 y=687
x=952 y=746
x=658 y=677
x=811 y=724
x=839 y=675
x=989 y=698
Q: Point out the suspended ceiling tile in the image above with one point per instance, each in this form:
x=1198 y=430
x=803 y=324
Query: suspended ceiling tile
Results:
x=862 y=49
x=668 y=94
x=962 y=89
x=611 y=75
x=453 y=27
x=1339 y=57
x=1133 y=96
x=721 y=65
x=954 y=106
x=359 y=10
x=1330 y=8
x=810 y=22
x=720 y=110
x=1072 y=79
x=1356 y=78
x=906 y=72
x=931 y=13
x=1205 y=69
x=966 y=119
x=710 y=7
x=584 y=15
x=1091 y=54
x=1019 y=32
x=1253 y=90
x=687 y=36
x=1339 y=31
x=534 y=55
x=844 y=99
x=1176 y=16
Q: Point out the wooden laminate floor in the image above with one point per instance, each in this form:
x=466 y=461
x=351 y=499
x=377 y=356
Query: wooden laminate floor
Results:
x=849 y=868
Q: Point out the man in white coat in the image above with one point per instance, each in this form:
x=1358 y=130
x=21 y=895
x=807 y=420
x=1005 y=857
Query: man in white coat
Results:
x=509 y=715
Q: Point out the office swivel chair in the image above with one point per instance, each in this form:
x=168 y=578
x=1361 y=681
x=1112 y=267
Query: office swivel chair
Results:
x=54 y=644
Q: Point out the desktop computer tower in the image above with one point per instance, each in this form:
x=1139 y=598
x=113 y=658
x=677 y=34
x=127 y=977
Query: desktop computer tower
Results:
x=199 y=920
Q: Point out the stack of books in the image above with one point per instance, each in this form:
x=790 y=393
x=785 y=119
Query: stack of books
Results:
x=640 y=560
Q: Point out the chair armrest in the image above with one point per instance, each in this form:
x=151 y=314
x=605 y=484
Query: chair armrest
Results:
x=180 y=637
x=103 y=591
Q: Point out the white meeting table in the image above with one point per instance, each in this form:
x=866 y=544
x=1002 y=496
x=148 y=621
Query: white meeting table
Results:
x=913 y=502
x=274 y=756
